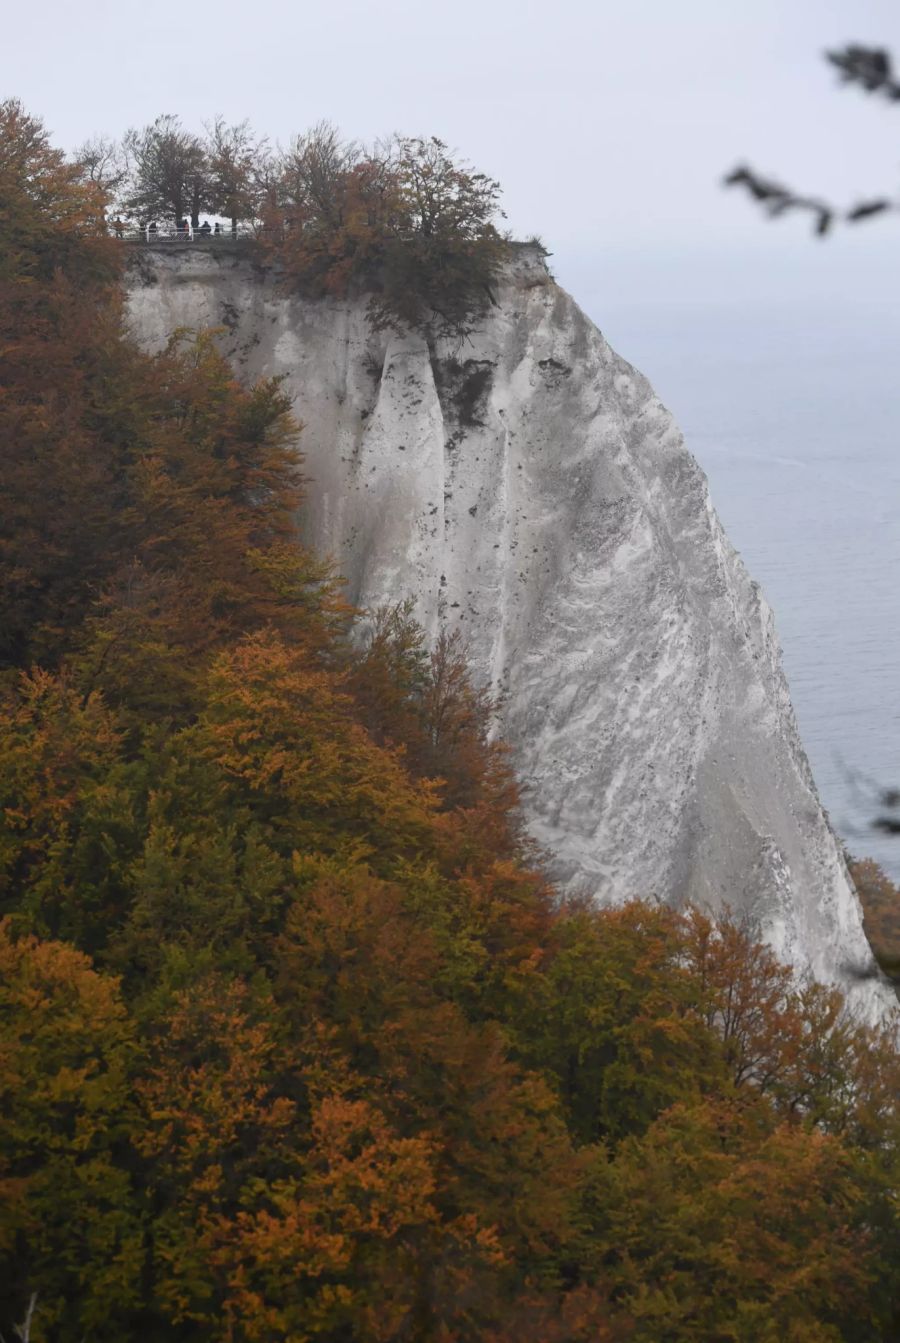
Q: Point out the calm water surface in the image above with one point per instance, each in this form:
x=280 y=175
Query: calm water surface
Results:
x=795 y=417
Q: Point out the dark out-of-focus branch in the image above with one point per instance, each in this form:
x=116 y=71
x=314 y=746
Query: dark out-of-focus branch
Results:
x=888 y=819
x=871 y=69
x=777 y=200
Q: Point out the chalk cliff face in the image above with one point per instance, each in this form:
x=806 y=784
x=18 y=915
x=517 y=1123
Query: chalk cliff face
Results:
x=531 y=490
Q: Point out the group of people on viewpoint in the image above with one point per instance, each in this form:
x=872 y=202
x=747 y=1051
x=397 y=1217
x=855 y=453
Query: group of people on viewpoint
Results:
x=182 y=230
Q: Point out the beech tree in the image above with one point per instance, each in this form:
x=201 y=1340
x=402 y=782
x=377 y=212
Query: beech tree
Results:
x=444 y=249
x=686 y=1257
x=327 y=223
x=102 y=160
x=70 y=1229
x=315 y=171
x=404 y=222
x=58 y=310
x=50 y=220
x=169 y=172
x=236 y=170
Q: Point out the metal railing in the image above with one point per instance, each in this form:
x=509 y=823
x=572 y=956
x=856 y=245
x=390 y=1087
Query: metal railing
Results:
x=168 y=233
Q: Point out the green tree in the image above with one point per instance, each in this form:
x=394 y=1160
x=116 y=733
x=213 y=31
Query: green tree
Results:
x=616 y=1019
x=404 y=222
x=443 y=250
x=719 y=1223
x=169 y=172
x=71 y=1229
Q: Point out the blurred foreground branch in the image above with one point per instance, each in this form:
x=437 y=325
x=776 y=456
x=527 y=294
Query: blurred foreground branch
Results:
x=871 y=69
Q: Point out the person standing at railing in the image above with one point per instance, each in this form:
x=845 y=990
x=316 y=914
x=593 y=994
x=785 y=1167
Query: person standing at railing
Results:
x=205 y=228
x=119 y=227
x=217 y=231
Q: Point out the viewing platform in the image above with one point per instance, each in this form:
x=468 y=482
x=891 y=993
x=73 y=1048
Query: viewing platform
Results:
x=169 y=236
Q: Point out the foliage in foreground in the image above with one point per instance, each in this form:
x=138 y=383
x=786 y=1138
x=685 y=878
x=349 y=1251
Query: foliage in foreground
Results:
x=871 y=70
x=295 y=1041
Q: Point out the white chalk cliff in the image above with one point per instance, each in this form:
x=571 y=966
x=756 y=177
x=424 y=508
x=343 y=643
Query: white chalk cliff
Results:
x=530 y=489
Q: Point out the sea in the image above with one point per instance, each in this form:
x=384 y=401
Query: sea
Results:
x=793 y=411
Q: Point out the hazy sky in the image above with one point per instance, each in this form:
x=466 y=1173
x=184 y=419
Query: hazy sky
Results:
x=608 y=124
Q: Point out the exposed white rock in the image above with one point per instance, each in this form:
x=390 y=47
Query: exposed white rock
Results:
x=530 y=488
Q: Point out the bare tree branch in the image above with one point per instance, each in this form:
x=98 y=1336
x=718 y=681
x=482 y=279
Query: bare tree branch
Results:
x=24 y=1329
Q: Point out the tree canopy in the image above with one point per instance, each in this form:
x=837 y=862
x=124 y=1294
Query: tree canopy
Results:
x=403 y=221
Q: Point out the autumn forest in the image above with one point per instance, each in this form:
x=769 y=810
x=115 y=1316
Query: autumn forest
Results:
x=297 y=1042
